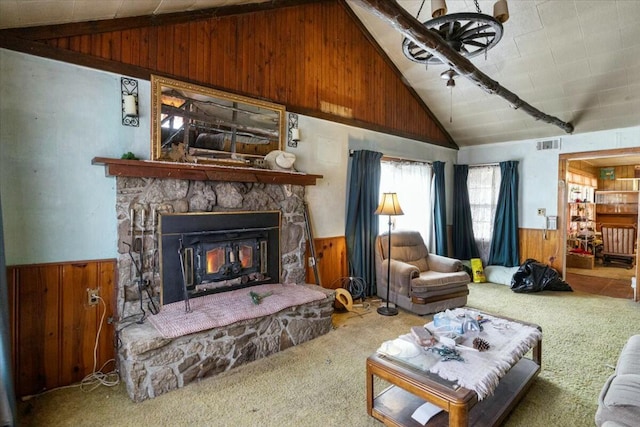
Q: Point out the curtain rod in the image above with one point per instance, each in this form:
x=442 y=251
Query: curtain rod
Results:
x=479 y=165
x=397 y=159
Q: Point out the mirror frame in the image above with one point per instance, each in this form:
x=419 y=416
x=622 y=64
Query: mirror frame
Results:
x=237 y=158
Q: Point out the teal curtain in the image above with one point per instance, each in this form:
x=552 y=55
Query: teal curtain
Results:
x=7 y=397
x=362 y=225
x=464 y=242
x=440 y=209
x=505 y=245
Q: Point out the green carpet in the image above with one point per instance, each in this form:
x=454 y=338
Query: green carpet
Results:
x=322 y=382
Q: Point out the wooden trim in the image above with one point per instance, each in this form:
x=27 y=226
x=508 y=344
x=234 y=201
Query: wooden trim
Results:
x=315 y=53
x=43 y=50
x=397 y=72
x=150 y=169
x=563 y=167
x=120 y=24
x=368 y=125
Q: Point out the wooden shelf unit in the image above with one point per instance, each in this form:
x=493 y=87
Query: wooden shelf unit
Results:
x=617 y=207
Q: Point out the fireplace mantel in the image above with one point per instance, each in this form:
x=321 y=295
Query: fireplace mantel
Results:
x=196 y=172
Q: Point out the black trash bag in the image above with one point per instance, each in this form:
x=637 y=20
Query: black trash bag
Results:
x=534 y=276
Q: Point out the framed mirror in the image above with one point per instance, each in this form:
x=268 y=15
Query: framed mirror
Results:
x=196 y=124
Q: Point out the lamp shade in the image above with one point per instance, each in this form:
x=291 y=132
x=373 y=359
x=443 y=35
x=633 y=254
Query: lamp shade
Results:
x=389 y=205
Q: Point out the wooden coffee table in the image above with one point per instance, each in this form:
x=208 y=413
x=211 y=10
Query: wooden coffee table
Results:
x=411 y=387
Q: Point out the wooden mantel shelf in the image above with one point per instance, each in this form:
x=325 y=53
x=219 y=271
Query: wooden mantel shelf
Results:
x=195 y=172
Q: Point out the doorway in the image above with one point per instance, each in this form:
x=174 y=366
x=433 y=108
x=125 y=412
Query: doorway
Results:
x=580 y=222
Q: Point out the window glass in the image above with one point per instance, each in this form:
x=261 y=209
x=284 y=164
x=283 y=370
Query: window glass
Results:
x=412 y=183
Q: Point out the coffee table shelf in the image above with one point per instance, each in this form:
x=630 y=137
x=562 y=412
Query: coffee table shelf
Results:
x=394 y=405
x=412 y=387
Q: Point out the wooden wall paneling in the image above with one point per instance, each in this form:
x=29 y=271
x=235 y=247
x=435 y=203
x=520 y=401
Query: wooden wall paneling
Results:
x=533 y=245
x=130 y=46
x=37 y=331
x=310 y=85
x=106 y=284
x=96 y=45
x=78 y=321
x=331 y=259
x=197 y=37
x=152 y=54
x=116 y=47
x=53 y=329
x=344 y=75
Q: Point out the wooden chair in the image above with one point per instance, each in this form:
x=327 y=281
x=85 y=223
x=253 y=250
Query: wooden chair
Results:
x=619 y=243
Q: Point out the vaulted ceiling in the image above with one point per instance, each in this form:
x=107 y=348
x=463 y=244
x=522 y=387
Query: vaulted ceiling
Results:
x=577 y=60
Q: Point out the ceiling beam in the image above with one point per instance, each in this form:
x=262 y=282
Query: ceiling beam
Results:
x=394 y=14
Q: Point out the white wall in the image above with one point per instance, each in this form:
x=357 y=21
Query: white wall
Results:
x=324 y=150
x=538 y=170
x=55 y=117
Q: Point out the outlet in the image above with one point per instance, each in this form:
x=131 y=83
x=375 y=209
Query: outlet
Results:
x=542 y=212
x=92 y=296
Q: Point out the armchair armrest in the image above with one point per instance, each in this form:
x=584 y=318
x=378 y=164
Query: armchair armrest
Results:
x=401 y=272
x=444 y=264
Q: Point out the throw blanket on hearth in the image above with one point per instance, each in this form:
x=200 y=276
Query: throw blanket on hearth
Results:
x=225 y=308
x=480 y=371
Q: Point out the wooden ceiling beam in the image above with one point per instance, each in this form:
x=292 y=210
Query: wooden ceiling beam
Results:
x=394 y=14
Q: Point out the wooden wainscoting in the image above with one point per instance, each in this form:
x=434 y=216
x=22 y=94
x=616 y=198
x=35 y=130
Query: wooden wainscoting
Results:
x=534 y=245
x=53 y=326
x=331 y=258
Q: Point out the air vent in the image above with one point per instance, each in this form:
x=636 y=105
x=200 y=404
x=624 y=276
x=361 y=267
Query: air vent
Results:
x=549 y=144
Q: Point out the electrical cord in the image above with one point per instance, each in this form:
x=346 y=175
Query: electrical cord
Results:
x=97 y=377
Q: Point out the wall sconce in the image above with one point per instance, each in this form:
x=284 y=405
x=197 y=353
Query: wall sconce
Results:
x=293 y=134
x=129 y=90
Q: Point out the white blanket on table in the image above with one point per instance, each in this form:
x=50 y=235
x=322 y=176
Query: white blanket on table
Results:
x=481 y=370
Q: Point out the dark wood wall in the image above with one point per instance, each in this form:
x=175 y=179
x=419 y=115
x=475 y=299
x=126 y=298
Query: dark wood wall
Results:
x=315 y=58
x=53 y=327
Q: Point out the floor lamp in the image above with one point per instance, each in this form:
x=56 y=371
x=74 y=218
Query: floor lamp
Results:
x=389 y=206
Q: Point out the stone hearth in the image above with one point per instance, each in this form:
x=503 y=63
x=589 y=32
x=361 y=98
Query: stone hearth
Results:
x=151 y=365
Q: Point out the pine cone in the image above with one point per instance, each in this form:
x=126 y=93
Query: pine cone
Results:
x=480 y=344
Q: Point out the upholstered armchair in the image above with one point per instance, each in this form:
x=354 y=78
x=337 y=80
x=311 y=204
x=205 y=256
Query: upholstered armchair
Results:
x=421 y=282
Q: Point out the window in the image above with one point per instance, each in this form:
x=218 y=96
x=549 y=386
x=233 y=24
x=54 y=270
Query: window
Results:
x=412 y=182
x=483 y=183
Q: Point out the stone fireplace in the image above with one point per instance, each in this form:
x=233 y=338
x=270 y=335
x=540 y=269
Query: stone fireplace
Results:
x=229 y=235
x=165 y=199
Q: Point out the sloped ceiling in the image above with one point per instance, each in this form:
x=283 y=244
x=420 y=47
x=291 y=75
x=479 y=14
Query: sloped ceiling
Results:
x=578 y=60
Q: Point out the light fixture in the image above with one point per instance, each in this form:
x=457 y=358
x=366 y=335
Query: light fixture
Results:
x=293 y=133
x=391 y=207
x=469 y=33
x=129 y=91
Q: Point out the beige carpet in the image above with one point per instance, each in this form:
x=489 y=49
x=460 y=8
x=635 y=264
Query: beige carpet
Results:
x=322 y=382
